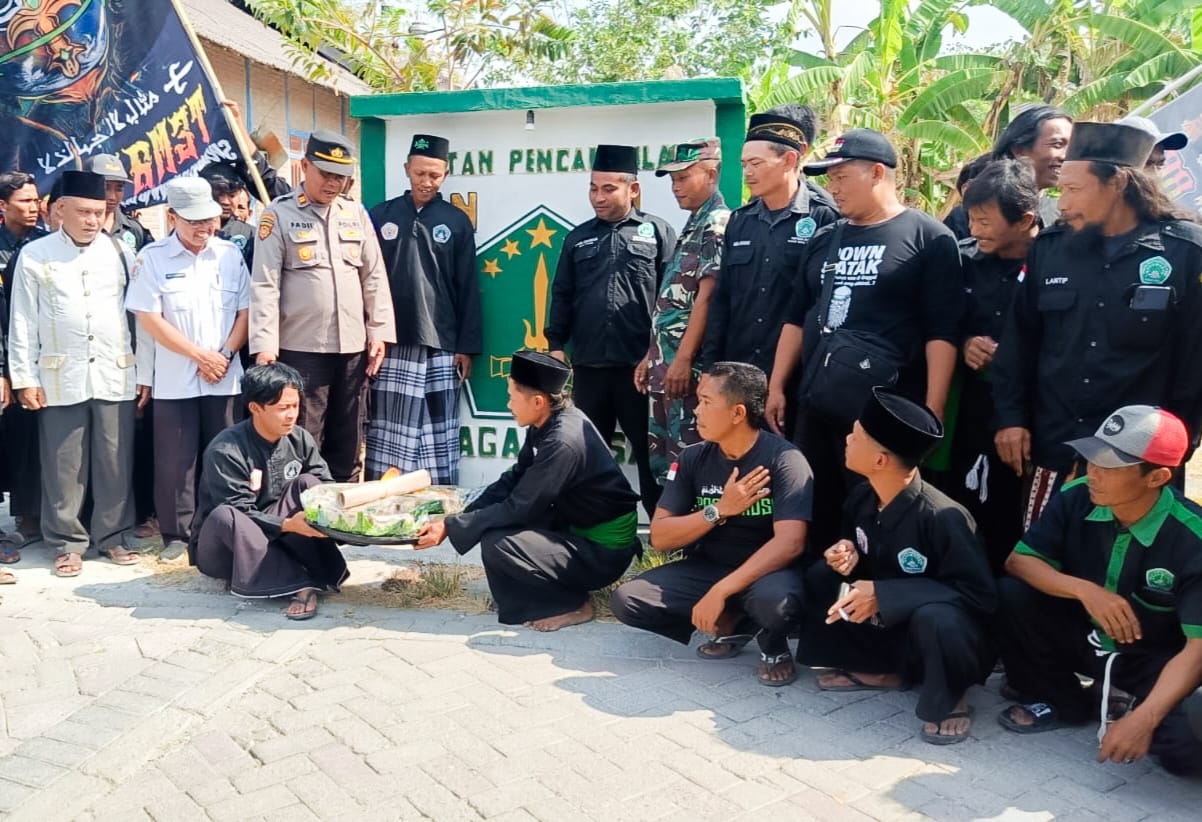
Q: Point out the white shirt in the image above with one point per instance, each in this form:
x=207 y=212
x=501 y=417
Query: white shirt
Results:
x=201 y=295
x=69 y=333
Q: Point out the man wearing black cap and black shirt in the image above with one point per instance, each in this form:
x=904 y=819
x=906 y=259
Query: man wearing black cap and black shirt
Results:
x=1107 y=312
x=738 y=503
x=764 y=239
x=1003 y=209
x=429 y=248
x=226 y=184
x=919 y=587
x=888 y=314
x=561 y=522
x=319 y=299
x=605 y=287
x=1108 y=584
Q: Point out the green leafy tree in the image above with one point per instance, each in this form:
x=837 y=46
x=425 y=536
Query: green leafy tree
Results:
x=619 y=40
x=444 y=44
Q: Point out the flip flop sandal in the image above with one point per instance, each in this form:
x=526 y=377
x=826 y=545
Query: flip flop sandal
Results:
x=949 y=739
x=120 y=556
x=8 y=578
x=772 y=662
x=9 y=555
x=68 y=565
x=304 y=598
x=857 y=684
x=1045 y=716
x=726 y=646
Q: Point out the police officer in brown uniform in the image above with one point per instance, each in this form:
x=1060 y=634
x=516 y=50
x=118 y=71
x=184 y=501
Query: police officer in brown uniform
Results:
x=320 y=300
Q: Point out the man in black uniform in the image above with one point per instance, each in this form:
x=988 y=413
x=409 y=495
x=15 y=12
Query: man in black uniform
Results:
x=19 y=431
x=605 y=286
x=1002 y=205
x=1108 y=584
x=250 y=528
x=765 y=238
x=920 y=587
x=429 y=248
x=1107 y=313
x=893 y=302
x=224 y=181
x=558 y=524
x=738 y=502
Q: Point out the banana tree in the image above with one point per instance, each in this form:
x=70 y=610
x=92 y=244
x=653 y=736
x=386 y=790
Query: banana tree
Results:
x=893 y=76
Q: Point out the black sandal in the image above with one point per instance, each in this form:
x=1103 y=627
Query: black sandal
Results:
x=771 y=663
x=1044 y=717
x=937 y=738
x=306 y=597
x=725 y=647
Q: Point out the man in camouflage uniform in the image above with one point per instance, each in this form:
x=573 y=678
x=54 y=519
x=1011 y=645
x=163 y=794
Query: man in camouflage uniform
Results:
x=678 y=320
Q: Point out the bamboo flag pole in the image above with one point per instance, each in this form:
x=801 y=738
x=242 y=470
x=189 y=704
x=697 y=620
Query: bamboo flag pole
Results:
x=247 y=150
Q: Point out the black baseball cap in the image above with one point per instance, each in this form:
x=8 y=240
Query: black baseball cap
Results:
x=857 y=144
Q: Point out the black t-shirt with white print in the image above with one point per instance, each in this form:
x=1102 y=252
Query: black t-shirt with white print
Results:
x=698 y=477
x=900 y=279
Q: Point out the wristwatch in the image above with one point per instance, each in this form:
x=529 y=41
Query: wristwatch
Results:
x=710 y=512
x=225 y=352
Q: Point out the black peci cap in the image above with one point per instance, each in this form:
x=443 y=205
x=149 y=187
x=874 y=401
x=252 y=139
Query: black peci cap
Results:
x=904 y=427
x=619 y=159
x=1114 y=143
x=84 y=184
x=539 y=371
x=428 y=145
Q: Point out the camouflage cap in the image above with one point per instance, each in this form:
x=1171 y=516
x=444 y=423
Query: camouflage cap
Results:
x=694 y=151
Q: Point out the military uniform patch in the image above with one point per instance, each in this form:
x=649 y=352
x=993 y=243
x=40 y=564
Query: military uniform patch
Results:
x=1155 y=271
x=266 y=224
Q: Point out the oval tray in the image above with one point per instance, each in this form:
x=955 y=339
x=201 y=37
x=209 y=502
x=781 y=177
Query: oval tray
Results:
x=360 y=539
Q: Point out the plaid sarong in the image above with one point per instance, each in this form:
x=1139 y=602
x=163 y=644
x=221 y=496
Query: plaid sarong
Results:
x=415 y=414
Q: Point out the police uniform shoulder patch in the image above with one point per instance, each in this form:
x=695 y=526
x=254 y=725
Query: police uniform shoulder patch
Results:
x=911 y=561
x=266 y=225
x=1155 y=270
x=301 y=199
x=441 y=233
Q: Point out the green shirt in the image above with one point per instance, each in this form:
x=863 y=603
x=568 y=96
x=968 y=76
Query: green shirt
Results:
x=1156 y=564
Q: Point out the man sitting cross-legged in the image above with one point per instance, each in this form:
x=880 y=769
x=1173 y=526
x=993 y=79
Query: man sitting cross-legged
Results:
x=919 y=584
x=739 y=502
x=1108 y=583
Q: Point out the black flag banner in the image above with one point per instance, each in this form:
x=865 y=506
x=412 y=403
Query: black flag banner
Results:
x=1182 y=174
x=124 y=77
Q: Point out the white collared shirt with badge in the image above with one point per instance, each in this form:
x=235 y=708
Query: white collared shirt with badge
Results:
x=200 y=295
x=69 y=334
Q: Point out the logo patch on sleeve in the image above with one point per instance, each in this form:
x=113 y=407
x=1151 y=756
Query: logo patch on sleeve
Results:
x=911 y=561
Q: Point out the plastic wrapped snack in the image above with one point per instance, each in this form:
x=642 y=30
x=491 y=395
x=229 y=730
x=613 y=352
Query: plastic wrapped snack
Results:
x=395 y=516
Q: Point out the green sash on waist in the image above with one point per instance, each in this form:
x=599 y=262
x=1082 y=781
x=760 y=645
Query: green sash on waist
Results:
x=616 y=533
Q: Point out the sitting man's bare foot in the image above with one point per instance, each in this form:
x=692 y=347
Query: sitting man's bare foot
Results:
x=953 y=728
x=582 y=614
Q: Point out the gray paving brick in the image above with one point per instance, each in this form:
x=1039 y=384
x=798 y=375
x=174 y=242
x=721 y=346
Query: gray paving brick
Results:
x=63 y=754
x=12 y=794
x=238 y=808
x=32 y=772
x=283 y=746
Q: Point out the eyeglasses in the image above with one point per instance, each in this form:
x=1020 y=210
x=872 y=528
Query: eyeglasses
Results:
x=196 y=223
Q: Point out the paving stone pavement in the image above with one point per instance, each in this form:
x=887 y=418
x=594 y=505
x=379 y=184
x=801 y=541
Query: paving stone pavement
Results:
x=122 y=698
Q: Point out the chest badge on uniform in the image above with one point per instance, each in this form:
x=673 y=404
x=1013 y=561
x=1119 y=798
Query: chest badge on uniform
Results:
x=305 y=253
x=292 y=470
x=130 y=240
x=862 y=540
x=646 y=230
x=389 y=231
x=1159 y=579
x=1155 y=271
x=441 y=233
x=911 y=561
x=805 y=228
x=238 y=240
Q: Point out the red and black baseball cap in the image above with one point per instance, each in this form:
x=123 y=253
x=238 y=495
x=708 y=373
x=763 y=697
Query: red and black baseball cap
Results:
x=1135 y=434
x=857 y=144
